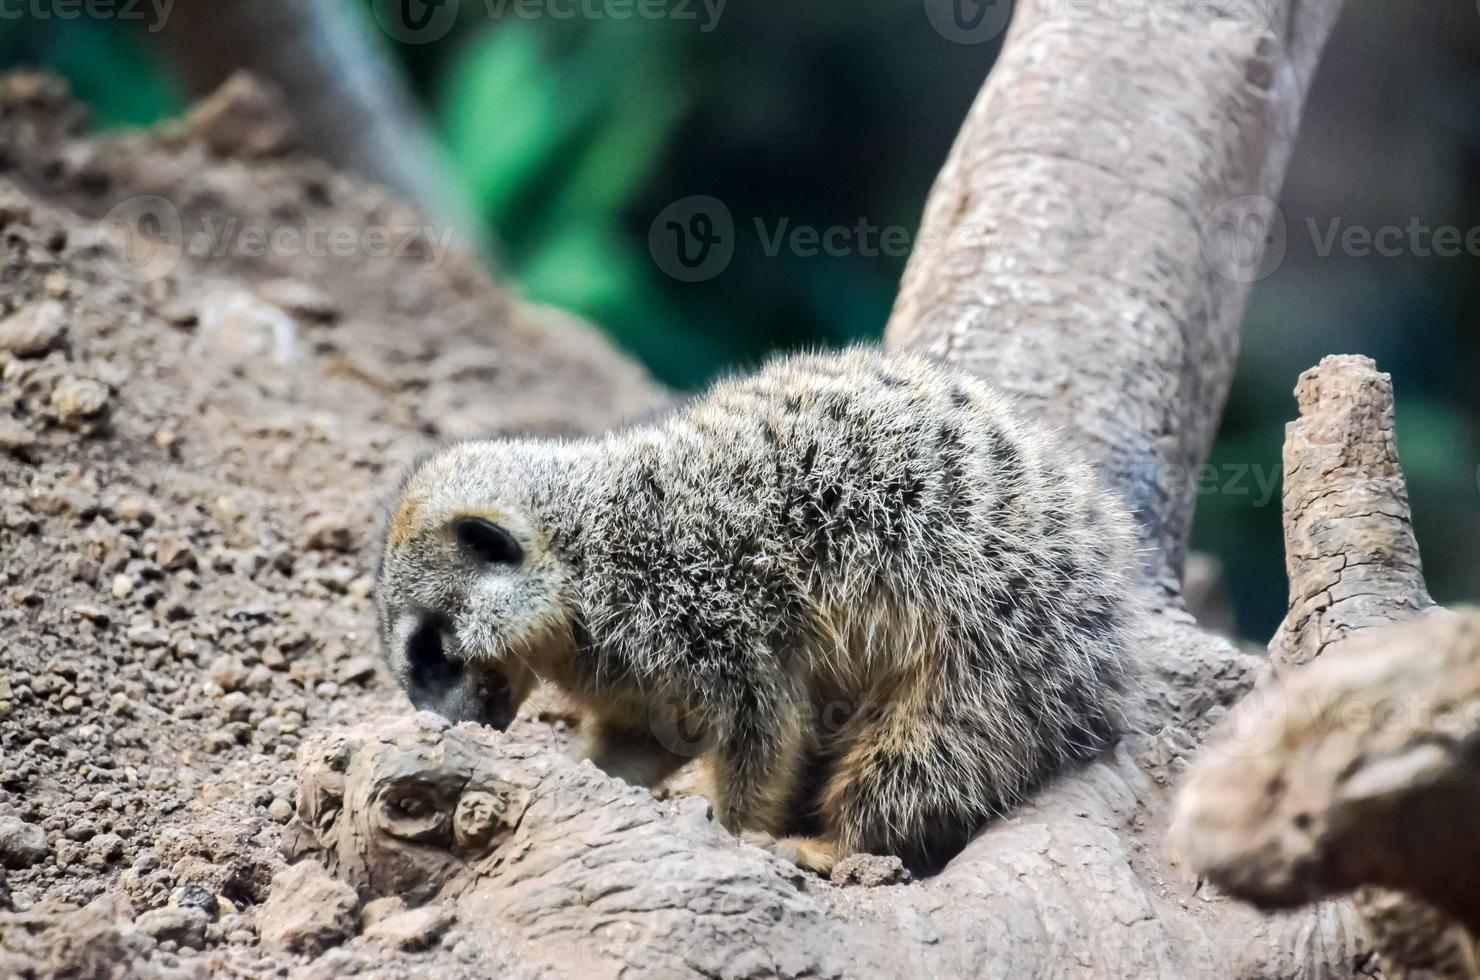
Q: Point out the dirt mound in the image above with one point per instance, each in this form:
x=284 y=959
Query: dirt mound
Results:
x=215 y=358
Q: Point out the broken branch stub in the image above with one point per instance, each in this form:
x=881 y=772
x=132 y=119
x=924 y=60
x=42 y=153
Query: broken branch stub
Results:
x=1349 y=547
x=1350 y=771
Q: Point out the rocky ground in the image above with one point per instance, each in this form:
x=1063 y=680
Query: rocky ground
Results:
x=199 y=430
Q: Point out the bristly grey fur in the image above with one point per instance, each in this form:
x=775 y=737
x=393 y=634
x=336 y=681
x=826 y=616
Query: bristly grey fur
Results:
x=861 y=565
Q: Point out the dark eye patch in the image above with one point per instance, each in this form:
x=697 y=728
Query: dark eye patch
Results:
x=487 y=541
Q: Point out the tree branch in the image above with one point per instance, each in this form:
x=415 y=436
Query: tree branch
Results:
x=1073 y=250
x=1322 y=783
x=1349 y=546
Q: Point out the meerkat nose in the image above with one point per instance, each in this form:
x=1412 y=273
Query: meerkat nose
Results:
x=433 y=673
x=444 y=684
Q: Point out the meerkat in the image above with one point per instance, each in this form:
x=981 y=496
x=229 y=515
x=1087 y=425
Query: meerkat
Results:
x=880 y=603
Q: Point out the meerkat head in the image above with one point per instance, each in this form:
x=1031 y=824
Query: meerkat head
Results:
x=472 y=601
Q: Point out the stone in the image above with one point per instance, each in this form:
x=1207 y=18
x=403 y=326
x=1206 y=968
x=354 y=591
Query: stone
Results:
x=77 y=400
x=136 y=510
x=328 y=532
x=197 y=897
x=870 y=870
x=174 y=555
x=91 y=613
x=237 y=706
x=148 y=637
x=21 y=844
x=15 y=437
x=227 y=671
x=34 y=330
x=105 y=848
x=358 y=670
x=413 y=930
x=182 y=926
x=307 y=911
x=382 y=908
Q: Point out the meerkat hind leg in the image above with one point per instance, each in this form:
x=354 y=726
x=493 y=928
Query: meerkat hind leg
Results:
x=909 y=785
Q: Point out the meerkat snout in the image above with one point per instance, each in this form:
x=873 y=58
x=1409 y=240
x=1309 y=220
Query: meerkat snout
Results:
x=448 y=685
x=469 y=595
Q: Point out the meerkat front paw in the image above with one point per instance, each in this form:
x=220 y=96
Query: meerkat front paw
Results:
x=808 y=853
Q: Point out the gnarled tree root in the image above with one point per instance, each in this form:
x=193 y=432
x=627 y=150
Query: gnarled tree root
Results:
x=572 y=873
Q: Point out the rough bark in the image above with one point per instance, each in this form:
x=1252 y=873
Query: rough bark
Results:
x=1349 y=546
x=1062 y=257
x=1360 y=771
x=353 y=107
x=1356 y=768
x=1082 y=247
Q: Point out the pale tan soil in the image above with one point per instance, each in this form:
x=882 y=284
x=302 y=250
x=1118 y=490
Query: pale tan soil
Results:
x=192 y=471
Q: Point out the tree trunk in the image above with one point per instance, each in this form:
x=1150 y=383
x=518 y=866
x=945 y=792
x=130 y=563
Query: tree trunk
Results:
x=352 y=105
x=1091 y=240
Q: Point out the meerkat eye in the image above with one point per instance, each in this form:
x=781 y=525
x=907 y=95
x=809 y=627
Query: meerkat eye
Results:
x=487 y=541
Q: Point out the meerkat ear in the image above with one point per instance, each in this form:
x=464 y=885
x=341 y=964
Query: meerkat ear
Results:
x=486 y=541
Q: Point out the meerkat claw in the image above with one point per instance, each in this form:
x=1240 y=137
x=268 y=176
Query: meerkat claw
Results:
x=808 y=853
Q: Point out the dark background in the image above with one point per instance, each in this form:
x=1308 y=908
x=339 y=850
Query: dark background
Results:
x=572 y=133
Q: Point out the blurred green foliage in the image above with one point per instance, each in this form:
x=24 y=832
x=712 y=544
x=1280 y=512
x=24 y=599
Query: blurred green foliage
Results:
x=556 y=141
x=573 y=132
x=111 y=69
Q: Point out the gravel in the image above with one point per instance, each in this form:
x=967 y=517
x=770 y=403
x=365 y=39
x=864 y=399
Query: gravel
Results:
x=187 y=532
